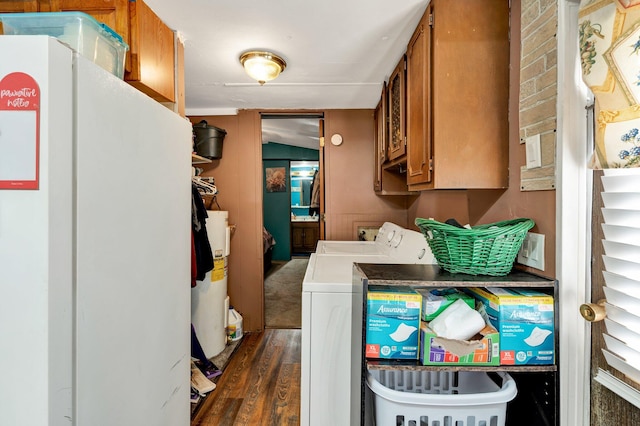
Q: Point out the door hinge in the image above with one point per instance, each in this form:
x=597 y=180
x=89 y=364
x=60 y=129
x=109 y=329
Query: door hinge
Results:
x=430 y=164
x=431 y=19
x=322 y=142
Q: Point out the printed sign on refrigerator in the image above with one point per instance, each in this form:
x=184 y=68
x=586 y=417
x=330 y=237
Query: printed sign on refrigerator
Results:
x=19 y=131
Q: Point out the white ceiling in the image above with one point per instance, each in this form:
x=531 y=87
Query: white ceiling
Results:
x=296 y=131
x=338 y=52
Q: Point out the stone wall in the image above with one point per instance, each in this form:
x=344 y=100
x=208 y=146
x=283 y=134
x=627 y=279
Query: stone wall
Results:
x=538 y=89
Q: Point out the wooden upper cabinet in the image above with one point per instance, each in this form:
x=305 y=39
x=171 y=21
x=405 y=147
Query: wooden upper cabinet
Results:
x=458 y=92
x=380 y=138
x=396 y=93
x=152 y=54
x=389 y=176
x=149 y=65
x=419 y=103
x=180 y=102
x=113 y=13
x=151 y=58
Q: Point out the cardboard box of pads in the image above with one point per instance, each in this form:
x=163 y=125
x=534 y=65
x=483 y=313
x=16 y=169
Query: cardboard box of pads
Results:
x=525 y=320
x=482 y=349
x=392 y=322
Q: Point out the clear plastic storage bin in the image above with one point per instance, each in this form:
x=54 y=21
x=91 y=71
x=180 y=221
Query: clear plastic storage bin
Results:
x=80 y=31
x=430 y=398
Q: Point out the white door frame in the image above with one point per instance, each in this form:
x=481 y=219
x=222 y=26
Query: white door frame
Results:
x=573 y=213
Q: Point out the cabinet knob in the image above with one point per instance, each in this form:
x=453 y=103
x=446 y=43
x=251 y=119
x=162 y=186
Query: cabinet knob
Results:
x=593 y=312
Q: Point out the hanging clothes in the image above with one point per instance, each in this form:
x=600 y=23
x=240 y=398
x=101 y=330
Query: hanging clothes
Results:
x=201 y=246
x=194 y=264
x=314 y=205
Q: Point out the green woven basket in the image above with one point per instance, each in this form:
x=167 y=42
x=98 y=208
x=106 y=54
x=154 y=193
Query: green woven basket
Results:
x=487 y=249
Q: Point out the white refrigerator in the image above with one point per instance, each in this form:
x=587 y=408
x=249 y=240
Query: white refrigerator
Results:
x=95 y=211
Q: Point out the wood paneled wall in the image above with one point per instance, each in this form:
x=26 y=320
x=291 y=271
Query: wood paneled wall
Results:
x=350 y=200
x=238 y=178
x=349 y=197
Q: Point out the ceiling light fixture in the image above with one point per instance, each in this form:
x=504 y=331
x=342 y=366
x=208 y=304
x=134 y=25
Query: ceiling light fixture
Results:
x=262 y=66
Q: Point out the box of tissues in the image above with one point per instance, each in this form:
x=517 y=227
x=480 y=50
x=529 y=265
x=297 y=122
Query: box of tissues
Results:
x=524 y=319
x=393 y=320
x=436 y=300
x=459 y=335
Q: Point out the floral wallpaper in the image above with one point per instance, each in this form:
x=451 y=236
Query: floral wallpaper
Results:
x=609 y=38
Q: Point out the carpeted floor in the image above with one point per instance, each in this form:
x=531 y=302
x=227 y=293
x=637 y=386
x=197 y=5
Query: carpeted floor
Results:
x=283 y=294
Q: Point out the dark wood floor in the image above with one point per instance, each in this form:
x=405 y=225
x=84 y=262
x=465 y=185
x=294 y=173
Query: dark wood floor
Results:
x=260 y=385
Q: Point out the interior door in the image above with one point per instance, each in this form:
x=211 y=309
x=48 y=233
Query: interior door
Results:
x=321 y=176
x=607 y=408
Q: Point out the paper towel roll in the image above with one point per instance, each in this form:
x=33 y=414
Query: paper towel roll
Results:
x=458 y=321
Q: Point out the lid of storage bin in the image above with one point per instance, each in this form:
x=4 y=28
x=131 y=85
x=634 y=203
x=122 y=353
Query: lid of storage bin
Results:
x=204 y=125
x=53 y=24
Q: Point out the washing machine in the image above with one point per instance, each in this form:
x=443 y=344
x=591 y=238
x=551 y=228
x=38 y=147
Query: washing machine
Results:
x=332 y=321
x=388 y=236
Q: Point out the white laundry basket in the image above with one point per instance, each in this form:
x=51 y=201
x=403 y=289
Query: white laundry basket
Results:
x=430 y=398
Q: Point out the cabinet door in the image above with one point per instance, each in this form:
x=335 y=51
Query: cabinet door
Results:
x=304 y=236
x=419 y=141
x=18 y=6
x=396 y=93
x=310 y=237
x=152 y=54
x=380 y=139
x=297 y=237
x=470 y=94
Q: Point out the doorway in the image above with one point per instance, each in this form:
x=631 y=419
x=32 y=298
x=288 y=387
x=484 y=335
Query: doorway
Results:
x=292 y=168
x=584 y=399
x=291 y=156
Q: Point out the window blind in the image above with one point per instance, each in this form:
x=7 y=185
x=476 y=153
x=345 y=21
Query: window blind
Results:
x=621 y=227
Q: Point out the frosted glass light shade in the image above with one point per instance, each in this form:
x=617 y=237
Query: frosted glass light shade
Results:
x=262 y=66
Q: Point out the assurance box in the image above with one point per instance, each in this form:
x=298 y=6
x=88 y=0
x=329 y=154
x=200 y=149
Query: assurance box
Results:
x=525 y=320
x=393 y=322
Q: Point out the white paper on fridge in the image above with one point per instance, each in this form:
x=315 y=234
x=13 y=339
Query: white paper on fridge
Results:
x=18 y=160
